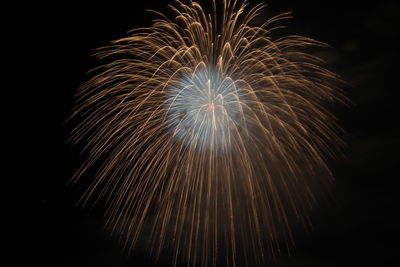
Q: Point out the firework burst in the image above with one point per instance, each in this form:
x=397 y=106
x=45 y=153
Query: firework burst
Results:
x=209 y=133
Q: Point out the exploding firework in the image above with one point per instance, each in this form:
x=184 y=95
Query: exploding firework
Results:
x=207 y=134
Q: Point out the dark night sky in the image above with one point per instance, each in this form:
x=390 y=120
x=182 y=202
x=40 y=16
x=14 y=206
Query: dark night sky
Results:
x=358 y=229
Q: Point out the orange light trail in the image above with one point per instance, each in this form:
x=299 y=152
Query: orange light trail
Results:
x=207 y=133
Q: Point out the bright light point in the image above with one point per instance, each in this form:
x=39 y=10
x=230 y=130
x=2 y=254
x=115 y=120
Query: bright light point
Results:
x=204 y=108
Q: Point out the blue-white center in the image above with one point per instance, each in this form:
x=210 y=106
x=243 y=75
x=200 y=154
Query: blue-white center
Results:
x=204 y=109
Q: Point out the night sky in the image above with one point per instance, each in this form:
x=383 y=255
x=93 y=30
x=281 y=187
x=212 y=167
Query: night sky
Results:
x=358 y=228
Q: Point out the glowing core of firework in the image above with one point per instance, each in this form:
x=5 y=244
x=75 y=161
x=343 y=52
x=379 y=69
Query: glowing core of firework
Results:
x=204 y=108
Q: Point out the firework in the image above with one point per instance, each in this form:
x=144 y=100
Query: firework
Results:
x=206 y=133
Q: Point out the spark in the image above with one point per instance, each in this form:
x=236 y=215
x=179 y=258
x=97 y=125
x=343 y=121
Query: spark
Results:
x=207 y=134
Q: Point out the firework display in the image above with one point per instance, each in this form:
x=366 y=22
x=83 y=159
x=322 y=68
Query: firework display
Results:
x=207 y=134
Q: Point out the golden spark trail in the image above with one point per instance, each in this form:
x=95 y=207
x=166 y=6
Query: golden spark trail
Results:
x=208 y=136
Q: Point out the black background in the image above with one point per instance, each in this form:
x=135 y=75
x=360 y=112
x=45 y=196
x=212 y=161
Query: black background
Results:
x=358 y=229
